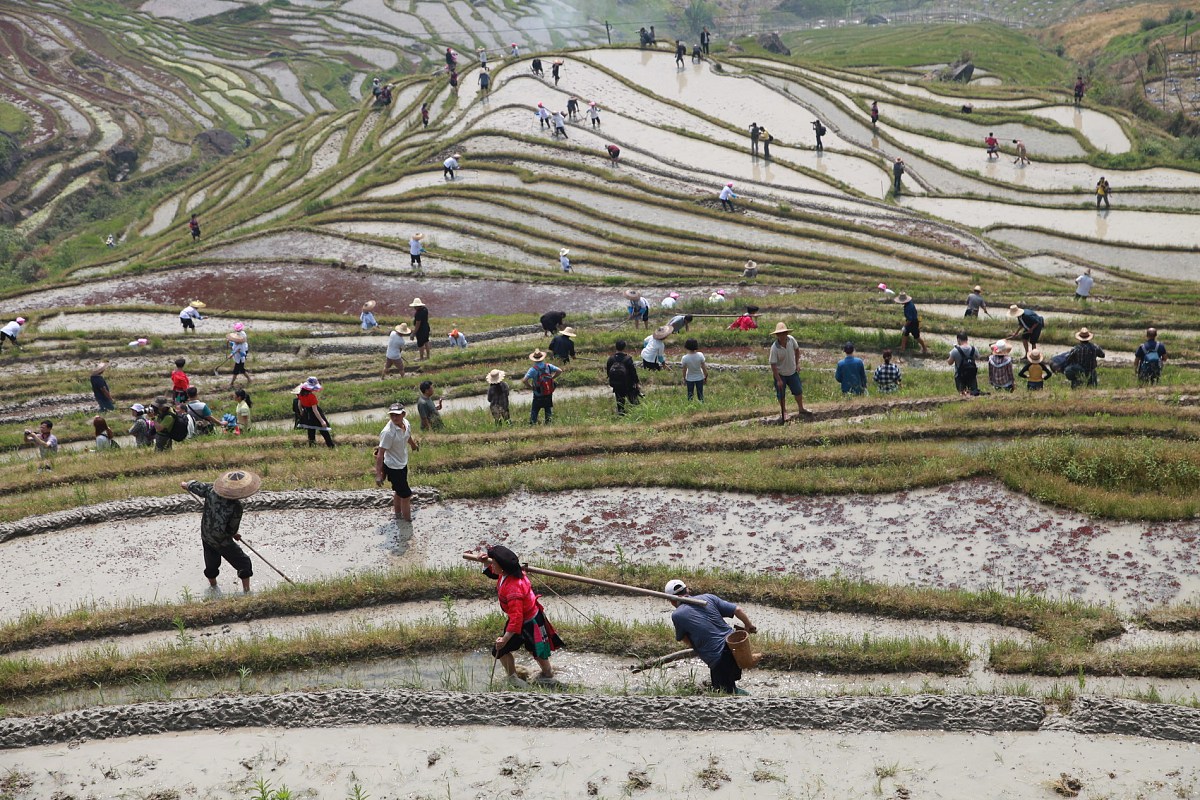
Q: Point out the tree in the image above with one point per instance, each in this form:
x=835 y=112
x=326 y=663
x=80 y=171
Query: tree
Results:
x=699 y=15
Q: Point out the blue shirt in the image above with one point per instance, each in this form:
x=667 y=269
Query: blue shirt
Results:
x=852 y=375
x=705 y=627
x=910 y=311
x=535 y=370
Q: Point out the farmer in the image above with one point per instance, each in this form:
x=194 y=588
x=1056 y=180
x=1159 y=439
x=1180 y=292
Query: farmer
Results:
x=680 y=322
x=594 y=113
x=1082 y=362
x=1103 y=191
x=976 y=303
x=1149 y=358
x=527 y=626
x=912 y=322
x=1030 y=325
x=614 y=152
x=556 y=71
x=727 y=197
x=874 y=113
x=190 y=314
x=1079 y=89
x=1035 y=372
x=966 y=369
x=572 y=108
x=559 y=124
x=638 y=309
x=551 y=321
x=457 y=339
x=717 y=297
x=540 y=378
x=750 y=269
x=308 y=414
x=425 y=115
x=220 y=521
x=543 y=115
x=514 y=51
x=239 y=349
x=448 y=167
x=670 y=301
x=819 y=130
x=194 y=226
x=428 y=409
x=887 y=375
x=1084 y=284
x=1022 y=156
x=482 y=54
x=654 y=348
x=497 y=396
x=180 y=382
x=747 y=321
x=784 y=360
x=391 y=459
x=454 y=81
x=451 y=59
x=141 y=430
x=563 y=345
x=993 y=145
x=897 y=174
x=11 y=331
x=622 y=377
x=705 y=631
x=367 y=316
x=535 y=67
x=100 y=391
x=485 y=81
x=564 y=262
x=395 y=350
x=755 y=133
x=421 y=327
x=851 y=373
x=680 y=52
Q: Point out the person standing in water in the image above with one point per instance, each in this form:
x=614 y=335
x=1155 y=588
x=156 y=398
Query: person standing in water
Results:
x=874 y=113
x=680 y=52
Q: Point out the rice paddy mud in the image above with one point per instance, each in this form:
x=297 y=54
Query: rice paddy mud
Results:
x=306 y=214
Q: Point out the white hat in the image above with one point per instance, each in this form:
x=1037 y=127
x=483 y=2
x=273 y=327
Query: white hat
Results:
x=675 y=587
x=563 y=252
x=416 y=302
x=495 y=376
x=569 y=332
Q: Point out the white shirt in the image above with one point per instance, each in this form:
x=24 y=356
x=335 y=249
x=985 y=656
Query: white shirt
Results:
x=516 y=51
x=12 y=329
x=393 y=441
x=239 y=351
x=653 y=350
x=668 y=302
x=1083 y=285
x=716 y=298
x=593 y=112
x=191 y=313
x=693 y=364
x=395 y=345
x=566 y=263
x=557 y=119
x=450 y=163
x=414 y=245
x=543 y=113
x=727 y=193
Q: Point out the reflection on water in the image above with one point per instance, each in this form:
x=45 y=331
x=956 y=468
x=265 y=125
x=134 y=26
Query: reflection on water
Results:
x=1102 y=224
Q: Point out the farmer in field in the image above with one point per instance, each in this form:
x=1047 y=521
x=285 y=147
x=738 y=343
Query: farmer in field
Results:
x=189 y=315
x=416 y=247
x=614 y=153
x=993 y=146
x=366 y=317
x=897 y=174
x=1030 y=325
x=784 y=361
x=395 y=350
x=541 y=379
x=239 y=351
x=976 y=303
x=551 y=321
x=1149 y=358
x=1084 y=284
x=1079 y=89
x=874 y=113
x=563 y=345
x=449 y=165
x=705 y=631
x=391 y=459
x=727 y=197
x=638 y=309
x=194 y=227
x=912 y=322
x=543 y=115
x=11 y=331
x=593 y=113
x=1022 y=155
x=220 y=521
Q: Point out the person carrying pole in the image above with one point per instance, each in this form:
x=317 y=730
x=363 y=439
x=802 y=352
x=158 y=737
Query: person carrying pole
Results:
x=705 y=631
x=220 y=521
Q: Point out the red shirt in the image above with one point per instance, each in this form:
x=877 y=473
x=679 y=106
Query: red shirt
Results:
x=179 y=381
x=308 y=399
x=743 y=323
x=517 y=600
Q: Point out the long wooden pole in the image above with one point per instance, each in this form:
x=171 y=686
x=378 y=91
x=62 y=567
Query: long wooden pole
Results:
x=691 y=601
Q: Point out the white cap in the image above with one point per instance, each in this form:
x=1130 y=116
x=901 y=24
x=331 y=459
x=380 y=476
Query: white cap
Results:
x=675 y=587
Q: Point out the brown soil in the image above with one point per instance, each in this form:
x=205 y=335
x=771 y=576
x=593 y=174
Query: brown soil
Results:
x=1086 y=35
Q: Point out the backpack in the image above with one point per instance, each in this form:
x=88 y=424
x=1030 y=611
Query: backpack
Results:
x=181 y=428
x=544 y=382
x=1151 y=366
x=820 y=130
x=967 y=368
x=618 y=376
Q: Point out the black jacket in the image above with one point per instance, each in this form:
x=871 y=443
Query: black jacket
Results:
x=630 y=370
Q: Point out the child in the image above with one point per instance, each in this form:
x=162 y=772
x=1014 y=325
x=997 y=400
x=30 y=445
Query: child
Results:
x=1000 y=366
x=1034 y=371
x=367 y=317
x=695 y=371
x=887 y=374
x=179 y=381
x=497 y=396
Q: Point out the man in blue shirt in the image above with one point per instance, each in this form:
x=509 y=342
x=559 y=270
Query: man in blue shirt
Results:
x=704 y=630
x=851 y=373
x=541 y=378
x=912 y=322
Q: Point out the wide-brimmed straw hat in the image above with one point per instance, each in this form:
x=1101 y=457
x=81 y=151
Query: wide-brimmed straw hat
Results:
x=456 y=156
x=568 y=331
x=563 y=251
x=418 y=236
x=751 y=264
x=236 y=484
x=662 y=332
x=495 y=376
x=1015 y=311
x=198 y=304
x=416 y=302
x=1035 y=356
x=367 y=306
x=236 y=338
x=781 y=327
x=310 y=383
x=901 y=298
x=1001 y=347
x=537 y=355
x=630 y=294
x=977 y=289
x=403 y=329
x=1084 y=335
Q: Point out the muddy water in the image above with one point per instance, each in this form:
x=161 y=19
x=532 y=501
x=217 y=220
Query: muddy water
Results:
x=1101 y=130
x=972 y=535
x=1038 y=141
x=1176 y=265
x=141 y=323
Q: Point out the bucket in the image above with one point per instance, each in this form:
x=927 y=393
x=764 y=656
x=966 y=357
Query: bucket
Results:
x=739 y=643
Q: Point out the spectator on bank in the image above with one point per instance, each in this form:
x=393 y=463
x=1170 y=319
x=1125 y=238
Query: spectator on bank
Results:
x=1149 y=358
x=1082 y=366
x=966 y=368
x=887 y=375
x=851 y=373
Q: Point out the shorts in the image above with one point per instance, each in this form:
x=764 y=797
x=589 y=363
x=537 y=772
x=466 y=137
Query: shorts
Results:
x=524 y=639
x=912 y=329
x=422 y=338
x=393 y=362
x=1031 y=335
x=239 y=368
x=643 y=315
x=971 y=312
x=725 y=673
x=790 y=382
x=398 y=477
x=187 y=323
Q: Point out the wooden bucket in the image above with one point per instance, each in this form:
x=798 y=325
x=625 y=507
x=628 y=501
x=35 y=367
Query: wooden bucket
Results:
x=739 y=643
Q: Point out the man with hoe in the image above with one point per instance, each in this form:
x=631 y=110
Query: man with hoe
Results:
x=220 y=521
x=705 y=631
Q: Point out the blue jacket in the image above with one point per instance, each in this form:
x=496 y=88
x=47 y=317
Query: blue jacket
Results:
x=852 y=375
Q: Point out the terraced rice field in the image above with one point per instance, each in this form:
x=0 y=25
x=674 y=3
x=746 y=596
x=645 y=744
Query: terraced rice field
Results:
x=923 y=567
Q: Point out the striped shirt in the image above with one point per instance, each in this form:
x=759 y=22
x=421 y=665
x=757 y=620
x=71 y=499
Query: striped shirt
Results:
x=887 y=377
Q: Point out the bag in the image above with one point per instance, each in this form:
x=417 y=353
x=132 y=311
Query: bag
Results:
x=198 y=424
x=182 y=428
x=618 y=376
x=544 y=382
x=820 y=130
x=967 y=368
x=1151 y=366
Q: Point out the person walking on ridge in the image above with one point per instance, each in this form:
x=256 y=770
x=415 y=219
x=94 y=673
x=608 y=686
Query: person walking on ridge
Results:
x=784 y=361
x=912 y=322
x=897 y=174
x=1079 y=89
x=754 y=136
x=976 y=303
x=874 y=113
x=541 y=378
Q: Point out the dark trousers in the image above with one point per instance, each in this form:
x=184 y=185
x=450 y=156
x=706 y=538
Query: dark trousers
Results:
x=766 y=149
x=415 y=261
x=896 y=185
x=697 y=387
x=819 y=145
x=967 y=384
x=705 y=46
x=229 y=551
x=754 y=145
x=725 y=673
x=3 y=338
x=312 y=438
x=447 y=173
x=541 y=401
x=1103 y=197
x=727 y=205
x=1077 y=375
x=623 y=395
